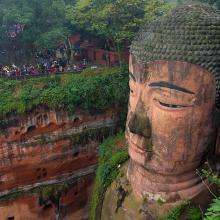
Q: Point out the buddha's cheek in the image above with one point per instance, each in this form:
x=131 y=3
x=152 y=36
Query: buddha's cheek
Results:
x=179 y=135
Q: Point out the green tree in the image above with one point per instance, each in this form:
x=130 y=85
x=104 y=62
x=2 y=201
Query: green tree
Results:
x=115 y=20
x=215 y=3
x=44 y=21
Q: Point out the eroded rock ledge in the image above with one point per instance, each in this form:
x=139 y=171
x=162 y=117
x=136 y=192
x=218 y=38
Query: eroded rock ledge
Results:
x=50 y=147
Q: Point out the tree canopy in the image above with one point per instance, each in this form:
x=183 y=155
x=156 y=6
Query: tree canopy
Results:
x=42 y=21
x=45 y=23
x=115 y=20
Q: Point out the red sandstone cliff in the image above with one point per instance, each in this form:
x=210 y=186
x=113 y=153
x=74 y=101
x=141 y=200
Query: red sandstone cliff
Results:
x=46 y=148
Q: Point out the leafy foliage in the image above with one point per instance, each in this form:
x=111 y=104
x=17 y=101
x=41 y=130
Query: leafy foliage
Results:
x=92 y=90
x=212 y=177
x=213 y=212
x=176 y=213
x=115 y=20
x=48 y=22
x=111 y=154
x=194 y=214
x=44 y=21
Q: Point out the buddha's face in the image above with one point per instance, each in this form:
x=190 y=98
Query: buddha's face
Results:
x=170 y=123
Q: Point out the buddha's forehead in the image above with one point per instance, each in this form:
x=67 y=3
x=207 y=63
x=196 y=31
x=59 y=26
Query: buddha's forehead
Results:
x=179 y=73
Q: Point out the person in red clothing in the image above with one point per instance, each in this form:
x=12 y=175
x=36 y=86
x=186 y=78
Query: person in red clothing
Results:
x=18 y=72
x=34 y=71
x=52 y=69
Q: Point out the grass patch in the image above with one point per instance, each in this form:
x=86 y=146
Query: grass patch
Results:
x=111 y=153
x=92 y=90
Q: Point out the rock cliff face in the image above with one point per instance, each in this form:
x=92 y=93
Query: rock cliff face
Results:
x=73 y=204
x=45 y=148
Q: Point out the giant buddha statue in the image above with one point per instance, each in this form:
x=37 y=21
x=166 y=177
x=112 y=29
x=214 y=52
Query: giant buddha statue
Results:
x=174 y=99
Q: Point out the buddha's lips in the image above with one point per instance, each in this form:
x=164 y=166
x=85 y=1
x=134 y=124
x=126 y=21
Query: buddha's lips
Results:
x=136 y=148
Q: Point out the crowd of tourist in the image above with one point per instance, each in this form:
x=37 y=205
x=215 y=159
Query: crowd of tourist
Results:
x=43 y=68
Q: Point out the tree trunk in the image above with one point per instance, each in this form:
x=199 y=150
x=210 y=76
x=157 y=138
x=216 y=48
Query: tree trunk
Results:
x=117 y=48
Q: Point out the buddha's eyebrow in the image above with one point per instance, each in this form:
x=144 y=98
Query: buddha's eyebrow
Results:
x=132 y=76
x=170 y=86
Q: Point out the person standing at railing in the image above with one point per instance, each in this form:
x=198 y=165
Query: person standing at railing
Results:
x=18 y=72
x=52 y=69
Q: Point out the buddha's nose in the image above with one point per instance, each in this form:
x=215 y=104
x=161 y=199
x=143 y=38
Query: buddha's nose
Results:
x=140 y=123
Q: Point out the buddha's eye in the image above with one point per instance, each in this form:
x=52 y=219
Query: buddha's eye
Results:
x=170 y=105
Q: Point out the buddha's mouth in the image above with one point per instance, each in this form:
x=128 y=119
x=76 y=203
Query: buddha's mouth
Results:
x=144 y=145
x=136 y=148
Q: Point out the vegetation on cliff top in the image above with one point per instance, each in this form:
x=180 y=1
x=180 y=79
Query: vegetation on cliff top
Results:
x=111 y=153
x=92 y=90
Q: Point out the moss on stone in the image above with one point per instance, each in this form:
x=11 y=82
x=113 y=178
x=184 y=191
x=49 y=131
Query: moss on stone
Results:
x=81 y=138
x=51 y=193
x=12 y=196
x=46 y=192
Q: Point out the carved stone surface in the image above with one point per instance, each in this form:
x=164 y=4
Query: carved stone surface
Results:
x=46 y=144
x=50 y=147
x=189 y=33
x=171 y=123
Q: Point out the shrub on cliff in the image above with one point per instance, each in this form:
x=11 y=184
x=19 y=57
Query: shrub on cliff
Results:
x=111 y=153
x=92 y=90
x=213 y=212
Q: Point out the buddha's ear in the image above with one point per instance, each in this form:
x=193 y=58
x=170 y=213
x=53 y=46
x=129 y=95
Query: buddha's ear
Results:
x=217 y=121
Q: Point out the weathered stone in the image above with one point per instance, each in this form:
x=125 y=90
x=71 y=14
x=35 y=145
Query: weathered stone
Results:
x=50 y=147
x=189 y=33
x=171 y=124
x=130 y=207
x=73 y=204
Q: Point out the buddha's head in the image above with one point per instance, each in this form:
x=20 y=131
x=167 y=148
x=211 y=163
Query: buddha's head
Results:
x=174 y=92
